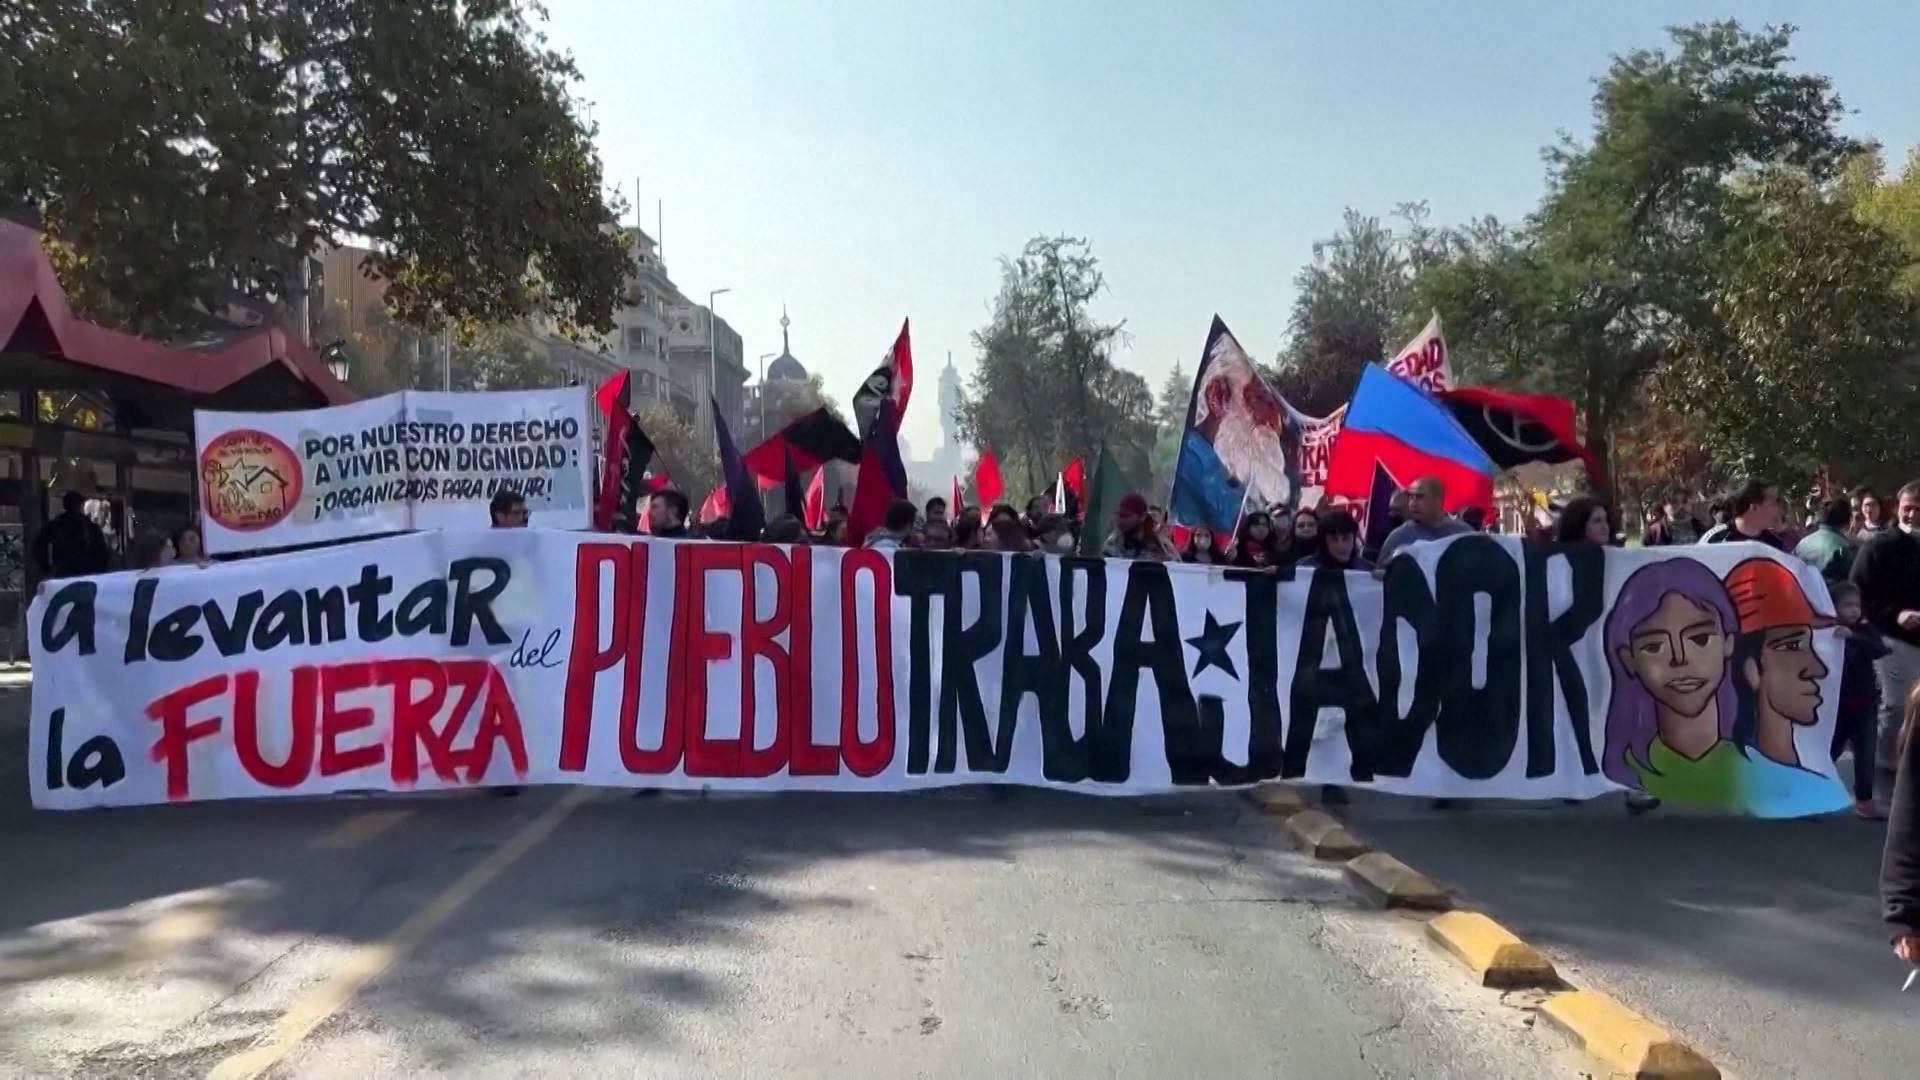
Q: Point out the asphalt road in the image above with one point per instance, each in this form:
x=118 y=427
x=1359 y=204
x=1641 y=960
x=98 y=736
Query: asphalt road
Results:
x=1760 y=941
x=572 y=932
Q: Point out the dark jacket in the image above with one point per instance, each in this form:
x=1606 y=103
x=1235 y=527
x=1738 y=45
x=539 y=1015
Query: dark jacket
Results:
x=70 y=545
x=1900 y=865
x=1358 y=564
x=1732 y=535
x=1888 y=573
x=1859 y=689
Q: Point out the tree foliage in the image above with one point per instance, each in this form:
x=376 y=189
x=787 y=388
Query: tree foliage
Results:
x=1623 y=271
x=1352 y=304
x=1045 y=388
x=198 y=153
x=687 y=454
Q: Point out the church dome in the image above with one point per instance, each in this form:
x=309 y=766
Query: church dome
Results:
x=784 y=367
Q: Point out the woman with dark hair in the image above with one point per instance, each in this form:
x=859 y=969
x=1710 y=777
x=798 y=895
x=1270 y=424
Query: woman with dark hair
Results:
x=966 y=532
x=1200 y=548
x=189 y=546
x=149 y=551
x=1584 y=521
x=1306 y=536
x=1255 y=544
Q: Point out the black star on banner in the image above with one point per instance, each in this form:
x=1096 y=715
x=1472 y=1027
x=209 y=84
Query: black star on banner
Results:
x=1212 y=646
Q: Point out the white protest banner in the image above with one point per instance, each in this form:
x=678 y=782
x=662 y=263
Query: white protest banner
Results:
x=1425 y=362
x=412 y=460
x=1479 y=667
x=1316 y=448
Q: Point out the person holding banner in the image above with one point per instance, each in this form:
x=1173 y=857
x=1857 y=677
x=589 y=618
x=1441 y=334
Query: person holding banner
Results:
x=508 y=510
x=667 y=514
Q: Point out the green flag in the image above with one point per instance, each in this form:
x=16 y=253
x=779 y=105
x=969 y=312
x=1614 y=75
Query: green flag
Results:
x=1103 y=498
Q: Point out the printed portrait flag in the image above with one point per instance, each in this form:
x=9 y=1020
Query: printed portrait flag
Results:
x=1393 y=423
x=1241 y=442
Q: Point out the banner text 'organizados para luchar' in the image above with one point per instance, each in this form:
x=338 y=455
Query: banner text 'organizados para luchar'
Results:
x=1479 y=667
x=411 y=460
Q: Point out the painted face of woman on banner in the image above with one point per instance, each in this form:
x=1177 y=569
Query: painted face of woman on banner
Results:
x=1680 y=655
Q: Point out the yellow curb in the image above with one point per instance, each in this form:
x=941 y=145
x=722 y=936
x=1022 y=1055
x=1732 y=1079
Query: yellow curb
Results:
x=1277 y=800
x=1623 y=1040
x=1496 y=957
x=1322 y=837
x=1391 y=883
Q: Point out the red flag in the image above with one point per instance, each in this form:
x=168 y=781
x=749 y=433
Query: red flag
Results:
x=882 y=478
x=902 y=371
x=814 y=504
x=957 y=504
x=986 y=479
x=715 y=505
x=891 y=382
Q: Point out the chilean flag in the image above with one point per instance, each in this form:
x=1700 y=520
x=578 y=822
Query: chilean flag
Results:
x=1396 y=425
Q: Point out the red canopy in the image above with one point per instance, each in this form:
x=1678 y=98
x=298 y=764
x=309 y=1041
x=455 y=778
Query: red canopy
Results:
x=32 y=303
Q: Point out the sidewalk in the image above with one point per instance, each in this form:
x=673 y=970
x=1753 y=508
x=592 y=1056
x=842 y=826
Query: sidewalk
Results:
x=1758 y=941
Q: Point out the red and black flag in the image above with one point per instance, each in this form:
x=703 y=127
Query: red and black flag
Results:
x=1515 y=429
x=892 y=381
x=882 y=477
x=627 y=470
x=813 y=440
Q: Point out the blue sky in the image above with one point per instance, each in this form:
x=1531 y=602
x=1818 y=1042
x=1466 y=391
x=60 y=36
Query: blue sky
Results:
x=864 y=161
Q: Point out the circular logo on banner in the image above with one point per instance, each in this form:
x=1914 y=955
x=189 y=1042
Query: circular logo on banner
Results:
x=249 y=480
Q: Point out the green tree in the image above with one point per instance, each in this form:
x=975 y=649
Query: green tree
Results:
x=1890 y=205
x=199 y=153
x=688 y=455
x=497 y=358
x=1352 y=304
x=1045 y=388
x=1796 y=367
x=1617 y=267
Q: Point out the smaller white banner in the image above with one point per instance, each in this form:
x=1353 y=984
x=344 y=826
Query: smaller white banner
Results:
x=412 y=460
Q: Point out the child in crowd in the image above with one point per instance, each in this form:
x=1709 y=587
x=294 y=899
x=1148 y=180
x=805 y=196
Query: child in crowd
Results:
x=1859 y=695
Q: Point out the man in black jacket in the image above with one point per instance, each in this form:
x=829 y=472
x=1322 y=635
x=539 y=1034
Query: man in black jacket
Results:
x=70 y=545
x=1888 y=573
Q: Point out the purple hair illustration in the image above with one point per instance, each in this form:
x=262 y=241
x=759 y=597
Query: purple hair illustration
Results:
x=1633 y=711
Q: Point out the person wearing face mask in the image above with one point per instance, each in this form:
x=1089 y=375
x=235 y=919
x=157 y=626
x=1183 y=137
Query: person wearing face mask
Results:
x=1200 y=548
x=1056 y=535
x=1887 y=570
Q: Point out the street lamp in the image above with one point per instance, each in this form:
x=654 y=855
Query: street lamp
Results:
x=713 y=363
x=334 y=355
x=763 y=392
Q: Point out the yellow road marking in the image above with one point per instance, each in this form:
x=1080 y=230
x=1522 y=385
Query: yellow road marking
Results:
x=359 y=829
x=368 y=962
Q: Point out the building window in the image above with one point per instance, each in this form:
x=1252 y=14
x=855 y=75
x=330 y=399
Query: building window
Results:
x=647 y=384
